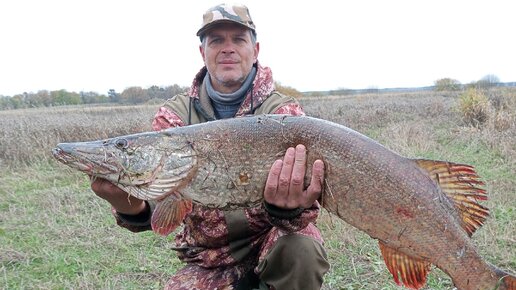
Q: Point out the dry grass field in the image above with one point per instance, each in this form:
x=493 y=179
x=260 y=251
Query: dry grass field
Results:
x=56 y=234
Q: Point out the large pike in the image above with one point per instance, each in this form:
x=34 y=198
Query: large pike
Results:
x=422 y=212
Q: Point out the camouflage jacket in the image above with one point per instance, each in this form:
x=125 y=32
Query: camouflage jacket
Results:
x=213 y=237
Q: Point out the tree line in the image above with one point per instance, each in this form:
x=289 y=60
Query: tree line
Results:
x=139 y=95
x=449 y=84
x=131 y=95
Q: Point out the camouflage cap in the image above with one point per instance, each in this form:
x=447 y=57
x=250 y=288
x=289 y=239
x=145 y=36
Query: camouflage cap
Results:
x=235 y=13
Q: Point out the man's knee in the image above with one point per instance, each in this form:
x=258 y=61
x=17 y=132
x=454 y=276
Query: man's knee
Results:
x=294 y=262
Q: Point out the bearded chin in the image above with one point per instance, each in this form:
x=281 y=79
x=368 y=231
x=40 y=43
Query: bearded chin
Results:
x=229 y=81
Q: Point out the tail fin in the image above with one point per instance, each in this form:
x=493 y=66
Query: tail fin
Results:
x=506 y=281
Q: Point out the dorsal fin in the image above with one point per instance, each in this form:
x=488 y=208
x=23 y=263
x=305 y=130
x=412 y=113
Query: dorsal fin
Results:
x=405 y=270
x=169 y=213
x=461 y=184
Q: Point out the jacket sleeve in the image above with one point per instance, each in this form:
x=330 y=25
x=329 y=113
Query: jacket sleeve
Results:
x=165 y=118
x=293 y=109
x=292 y=220
x=136 y=223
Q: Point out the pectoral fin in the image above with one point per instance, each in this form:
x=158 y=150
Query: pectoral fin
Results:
x=169 y=213
x=155 y=189
x=406 y=270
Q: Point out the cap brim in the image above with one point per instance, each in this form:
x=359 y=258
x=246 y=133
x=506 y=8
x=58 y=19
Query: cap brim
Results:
x=209 y=26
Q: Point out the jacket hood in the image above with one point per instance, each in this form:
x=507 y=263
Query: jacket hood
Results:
x=262 y=87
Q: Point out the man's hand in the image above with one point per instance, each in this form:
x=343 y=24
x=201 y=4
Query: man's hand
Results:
x=119 y=199
x=285 y=183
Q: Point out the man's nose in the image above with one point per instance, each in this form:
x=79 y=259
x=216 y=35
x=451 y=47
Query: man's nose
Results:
x=228 y=47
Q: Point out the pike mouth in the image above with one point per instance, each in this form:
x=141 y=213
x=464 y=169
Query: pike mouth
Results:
x=82 y=163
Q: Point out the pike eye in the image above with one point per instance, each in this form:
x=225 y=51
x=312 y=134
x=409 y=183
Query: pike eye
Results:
x=121 y=143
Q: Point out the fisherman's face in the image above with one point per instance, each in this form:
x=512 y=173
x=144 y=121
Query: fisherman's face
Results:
x=229 y=54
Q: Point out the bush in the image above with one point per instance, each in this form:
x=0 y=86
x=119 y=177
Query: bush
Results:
x=474 y=107
x=286 y=90
x=447 y=84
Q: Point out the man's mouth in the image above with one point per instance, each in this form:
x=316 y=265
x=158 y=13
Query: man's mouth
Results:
x=228 y=61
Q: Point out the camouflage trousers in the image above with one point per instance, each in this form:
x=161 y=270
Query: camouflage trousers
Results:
x=292 y=261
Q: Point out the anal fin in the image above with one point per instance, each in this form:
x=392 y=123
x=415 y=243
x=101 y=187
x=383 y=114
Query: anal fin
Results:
x=462 y=185
x=406 y=270
x=169 y=213
x=506 y=281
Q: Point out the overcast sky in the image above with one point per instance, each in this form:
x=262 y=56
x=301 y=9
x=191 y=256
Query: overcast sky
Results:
x=96 y=45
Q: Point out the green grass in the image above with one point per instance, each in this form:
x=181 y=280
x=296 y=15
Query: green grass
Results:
x=56 y=234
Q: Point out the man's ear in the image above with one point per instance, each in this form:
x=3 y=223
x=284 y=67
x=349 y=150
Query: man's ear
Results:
x=201 y=50
x=256 y=51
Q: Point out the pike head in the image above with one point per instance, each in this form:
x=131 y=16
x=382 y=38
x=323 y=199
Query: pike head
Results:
x=147 y=165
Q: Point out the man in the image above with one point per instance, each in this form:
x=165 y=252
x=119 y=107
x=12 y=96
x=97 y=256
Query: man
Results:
x=273 y=246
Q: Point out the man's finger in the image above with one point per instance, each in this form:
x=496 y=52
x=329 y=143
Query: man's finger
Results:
x=316 y=184
x=286 y=172
x=297 y=178
x=271 y=186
